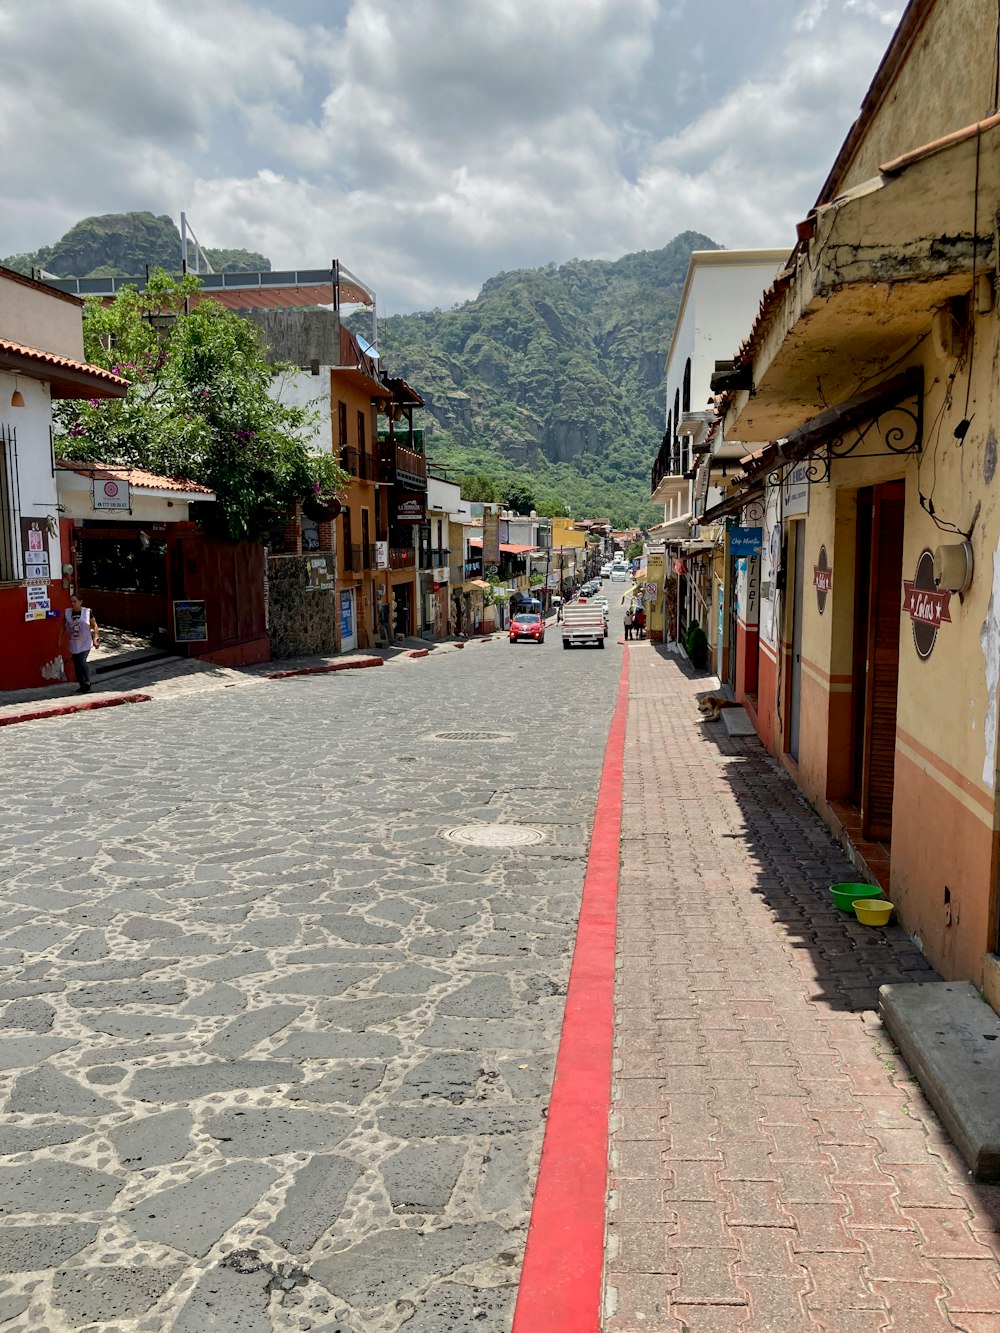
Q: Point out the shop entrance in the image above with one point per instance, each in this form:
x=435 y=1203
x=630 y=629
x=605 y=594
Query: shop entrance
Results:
x=876 y=653
x=795 y=531
x=402 y=620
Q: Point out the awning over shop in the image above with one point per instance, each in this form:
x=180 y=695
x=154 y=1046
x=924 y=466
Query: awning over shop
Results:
x=509 y=547
x=478 y=583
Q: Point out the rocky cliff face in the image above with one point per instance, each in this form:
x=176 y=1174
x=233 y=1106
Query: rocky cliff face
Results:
x=555 y=370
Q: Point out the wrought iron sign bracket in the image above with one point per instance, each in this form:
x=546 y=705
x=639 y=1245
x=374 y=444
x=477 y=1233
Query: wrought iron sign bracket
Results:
x=896 y=432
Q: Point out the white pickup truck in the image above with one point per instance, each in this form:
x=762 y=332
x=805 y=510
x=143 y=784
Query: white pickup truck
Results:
x=583 y=623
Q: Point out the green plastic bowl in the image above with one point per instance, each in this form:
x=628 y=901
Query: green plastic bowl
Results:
x=846 y=895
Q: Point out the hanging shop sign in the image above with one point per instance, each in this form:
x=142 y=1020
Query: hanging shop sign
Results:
x=822 y=578
x=109 y=493
x=410 y=509
x=744 y=542
x=381 y=555
x=927 y=608
x=795 y=491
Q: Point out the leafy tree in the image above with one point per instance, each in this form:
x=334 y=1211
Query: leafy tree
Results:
x=635 y=550
x=552 y=509
x=518 y=498
x=479 y=488
x=199 y=406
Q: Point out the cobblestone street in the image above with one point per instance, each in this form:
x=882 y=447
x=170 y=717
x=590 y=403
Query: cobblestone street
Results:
x=276 y=1052
x=278 y=1047
x=773 y=1165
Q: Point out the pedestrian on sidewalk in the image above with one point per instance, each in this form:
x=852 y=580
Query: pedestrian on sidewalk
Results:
x=639 y=622
x=629 y=621
x=81 y=632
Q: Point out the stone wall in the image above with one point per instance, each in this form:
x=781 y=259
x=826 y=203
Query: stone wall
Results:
x=302 y=620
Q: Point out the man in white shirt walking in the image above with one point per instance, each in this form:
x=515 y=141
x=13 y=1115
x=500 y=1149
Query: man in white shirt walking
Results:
x=82 y=633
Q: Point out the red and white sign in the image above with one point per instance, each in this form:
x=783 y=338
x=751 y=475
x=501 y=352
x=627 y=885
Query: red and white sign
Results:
x=929 y=608
x=822 y=578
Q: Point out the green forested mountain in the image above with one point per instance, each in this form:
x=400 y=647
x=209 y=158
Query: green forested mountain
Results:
x=123 y=245
x=549 y=381
x=552 y=377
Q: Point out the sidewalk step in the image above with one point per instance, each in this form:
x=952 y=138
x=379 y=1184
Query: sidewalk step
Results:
x=950 y=1038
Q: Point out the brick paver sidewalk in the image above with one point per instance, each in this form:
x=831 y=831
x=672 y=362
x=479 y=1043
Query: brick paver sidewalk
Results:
x=773 y=1164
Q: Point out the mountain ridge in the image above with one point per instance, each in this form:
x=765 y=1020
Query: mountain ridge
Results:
x=547 y=382
x=552 y=377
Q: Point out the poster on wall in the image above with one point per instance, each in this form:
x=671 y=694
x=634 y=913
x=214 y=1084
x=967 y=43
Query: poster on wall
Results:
x=346 y=616
x=35 y=548
x=381 y=555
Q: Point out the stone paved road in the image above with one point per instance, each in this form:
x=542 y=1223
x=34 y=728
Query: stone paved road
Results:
x=275 y=1051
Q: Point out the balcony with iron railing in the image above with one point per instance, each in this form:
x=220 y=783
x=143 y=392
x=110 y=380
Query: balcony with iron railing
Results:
x=473 y=569
x=356 y=558
x=402 y=557
x=358 y=463
x=673 y=463
x=434 y=557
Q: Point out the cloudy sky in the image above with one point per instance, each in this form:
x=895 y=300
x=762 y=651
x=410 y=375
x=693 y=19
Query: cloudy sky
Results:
x=428 y=144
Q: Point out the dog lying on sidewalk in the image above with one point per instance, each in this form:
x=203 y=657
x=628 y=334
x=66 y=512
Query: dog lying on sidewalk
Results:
x=711 y=706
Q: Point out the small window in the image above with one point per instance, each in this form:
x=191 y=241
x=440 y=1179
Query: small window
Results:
x=687 y=385
x=361 y=432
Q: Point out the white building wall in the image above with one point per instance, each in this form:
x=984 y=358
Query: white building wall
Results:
x=301 y=388
x=36 y=495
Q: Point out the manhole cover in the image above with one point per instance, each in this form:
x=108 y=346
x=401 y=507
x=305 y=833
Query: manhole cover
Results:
x=471 y=736
x=495 y=835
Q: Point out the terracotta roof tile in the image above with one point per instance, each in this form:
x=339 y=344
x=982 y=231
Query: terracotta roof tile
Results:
x=51 y=360
x=138 y=478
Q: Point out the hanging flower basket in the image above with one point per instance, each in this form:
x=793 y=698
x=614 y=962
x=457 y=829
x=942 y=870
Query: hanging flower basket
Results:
x=320 y=509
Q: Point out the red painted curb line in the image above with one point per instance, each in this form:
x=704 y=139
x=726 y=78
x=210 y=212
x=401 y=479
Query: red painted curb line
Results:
x=560 y=1287
x=84 y=706
x=417 y=652
x=354 y=664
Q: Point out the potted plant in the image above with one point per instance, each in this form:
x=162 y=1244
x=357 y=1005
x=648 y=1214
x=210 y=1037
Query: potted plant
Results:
x=322 y=503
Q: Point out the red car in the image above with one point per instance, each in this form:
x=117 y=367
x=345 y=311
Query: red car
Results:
x=527 y=626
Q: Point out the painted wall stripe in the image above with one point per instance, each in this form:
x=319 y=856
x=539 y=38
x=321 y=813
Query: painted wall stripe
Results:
x=560 y=1289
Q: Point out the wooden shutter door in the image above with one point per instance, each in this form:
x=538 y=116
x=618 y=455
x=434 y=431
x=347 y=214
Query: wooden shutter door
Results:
x=883 y=660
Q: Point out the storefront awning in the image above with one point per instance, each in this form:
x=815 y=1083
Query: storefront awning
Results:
x=508 y=547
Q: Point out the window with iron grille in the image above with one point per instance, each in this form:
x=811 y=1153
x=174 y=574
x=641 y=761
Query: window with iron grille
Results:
x=10 y=507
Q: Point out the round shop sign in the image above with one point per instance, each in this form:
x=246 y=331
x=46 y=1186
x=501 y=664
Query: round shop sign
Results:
x=927 y=608
x=110 y=489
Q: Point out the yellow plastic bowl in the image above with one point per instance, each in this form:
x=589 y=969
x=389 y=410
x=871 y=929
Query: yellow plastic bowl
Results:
x=873 y=911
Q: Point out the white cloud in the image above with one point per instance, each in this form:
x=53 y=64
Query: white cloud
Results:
x=431 y=143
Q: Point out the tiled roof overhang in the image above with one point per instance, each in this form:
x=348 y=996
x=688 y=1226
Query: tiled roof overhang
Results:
x=881 y=260
x=66 y=377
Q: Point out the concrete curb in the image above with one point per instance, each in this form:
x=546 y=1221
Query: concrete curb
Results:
x=417 y=652
x=64 y=710
x=352 y=664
